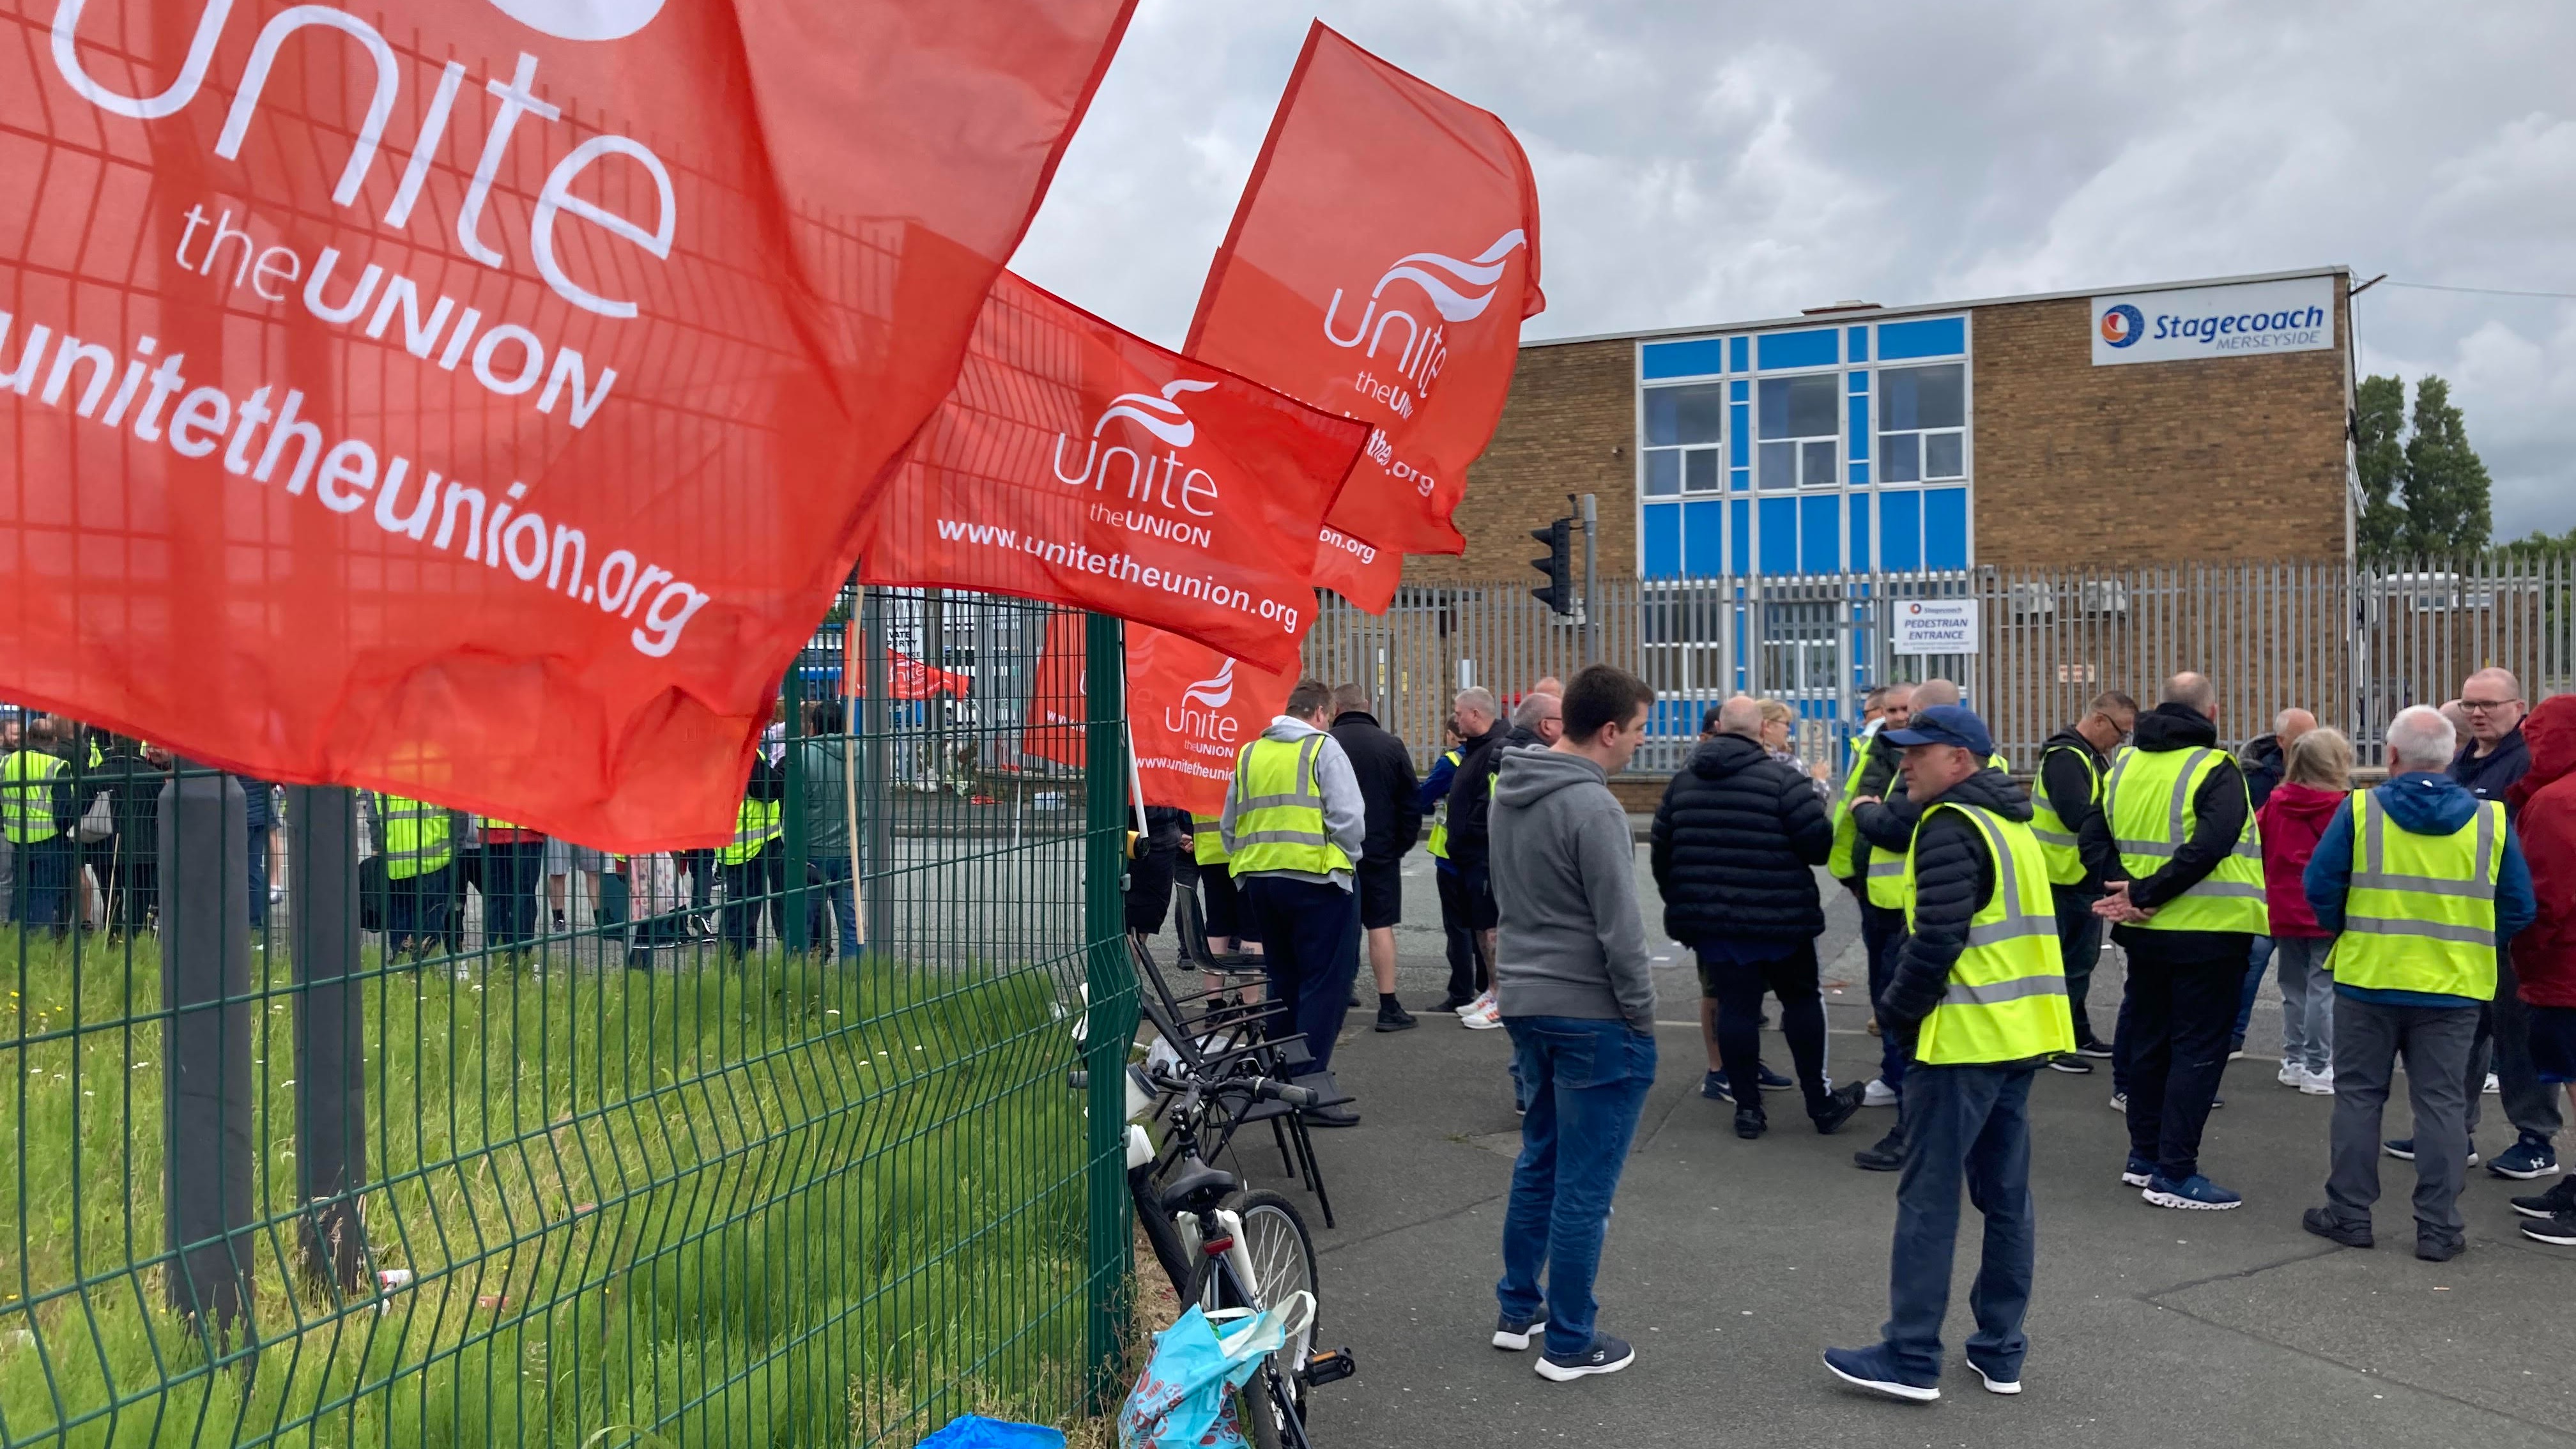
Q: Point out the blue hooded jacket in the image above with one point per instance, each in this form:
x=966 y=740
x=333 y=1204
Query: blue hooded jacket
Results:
x=2426 y=803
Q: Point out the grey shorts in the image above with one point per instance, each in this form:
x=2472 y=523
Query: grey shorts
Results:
x=563 y=857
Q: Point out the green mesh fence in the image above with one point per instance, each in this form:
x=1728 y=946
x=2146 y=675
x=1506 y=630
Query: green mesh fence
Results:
x=491 y=1140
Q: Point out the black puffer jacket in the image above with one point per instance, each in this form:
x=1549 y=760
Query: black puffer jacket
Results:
x=2264 y=767
x=1954 y=874
x=1471 y=793
x=1733 y=843
x=1384 y=769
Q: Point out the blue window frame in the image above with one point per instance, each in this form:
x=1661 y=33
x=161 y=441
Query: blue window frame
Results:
x=1739 y=536
x=1662 y=543
x=1703 y=542
x=1779 y=542
x=1857 y=344
x=1683 y=359
x=1816 y=347
x=1738 y=353
x=1859 y=555
x=1945 y=528
x=1821 y=534
x=1900 y=530
x=1930 y=337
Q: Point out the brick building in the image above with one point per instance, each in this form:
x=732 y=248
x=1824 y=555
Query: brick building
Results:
x=2190 y=421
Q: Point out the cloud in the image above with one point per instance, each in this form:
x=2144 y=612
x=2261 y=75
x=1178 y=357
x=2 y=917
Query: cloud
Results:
x=1700 y=163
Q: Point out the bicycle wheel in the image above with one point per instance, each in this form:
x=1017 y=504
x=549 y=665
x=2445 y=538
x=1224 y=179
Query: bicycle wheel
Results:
x=1274 y=1237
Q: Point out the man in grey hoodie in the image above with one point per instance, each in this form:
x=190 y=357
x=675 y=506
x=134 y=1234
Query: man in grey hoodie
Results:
x=1293 y=823
x=1570 y=976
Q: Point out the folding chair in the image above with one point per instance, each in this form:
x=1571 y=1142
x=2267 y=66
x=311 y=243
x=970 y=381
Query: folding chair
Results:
x=1231 y=1039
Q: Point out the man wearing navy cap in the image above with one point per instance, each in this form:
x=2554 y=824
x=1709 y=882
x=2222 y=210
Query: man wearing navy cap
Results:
x=1980 y=991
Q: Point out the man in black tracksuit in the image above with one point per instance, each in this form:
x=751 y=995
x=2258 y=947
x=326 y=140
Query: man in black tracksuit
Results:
x=1388 y=786
x=1734 y=848
x=2071 y=765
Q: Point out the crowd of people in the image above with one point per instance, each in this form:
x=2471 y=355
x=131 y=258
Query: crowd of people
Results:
x=79 y=850
x=2426 y=921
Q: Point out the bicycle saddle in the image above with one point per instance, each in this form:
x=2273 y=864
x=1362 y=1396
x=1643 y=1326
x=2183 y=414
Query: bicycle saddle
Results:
x=1196 y=1185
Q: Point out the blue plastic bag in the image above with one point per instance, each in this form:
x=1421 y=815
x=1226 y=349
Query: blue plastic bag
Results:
x=969 y=1431
x=1185 y=1398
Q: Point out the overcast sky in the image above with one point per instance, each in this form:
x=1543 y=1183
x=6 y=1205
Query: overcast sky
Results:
x=1704 y=162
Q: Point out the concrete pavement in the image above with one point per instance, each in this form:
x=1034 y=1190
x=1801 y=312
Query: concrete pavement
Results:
x=1731 y=1264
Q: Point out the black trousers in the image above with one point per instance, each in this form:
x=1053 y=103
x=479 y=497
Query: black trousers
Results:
x=1466 y=966
x=1310 y=943
x=758 y=884
x=1738 y=987
x=2180 y=1011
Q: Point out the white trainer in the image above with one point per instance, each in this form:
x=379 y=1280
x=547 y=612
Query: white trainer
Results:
x=1878 y=1094
x=2292 y=1074
x=2317 y=1084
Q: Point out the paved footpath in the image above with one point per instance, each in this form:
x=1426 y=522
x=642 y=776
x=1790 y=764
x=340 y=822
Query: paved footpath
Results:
x=1731 y=1264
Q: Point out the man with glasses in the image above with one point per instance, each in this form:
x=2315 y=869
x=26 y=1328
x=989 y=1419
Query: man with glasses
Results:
x=2487 y=766
x=2075 y=838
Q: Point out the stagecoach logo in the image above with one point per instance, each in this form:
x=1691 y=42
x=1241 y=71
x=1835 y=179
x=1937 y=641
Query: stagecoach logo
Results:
x=1215 y=693
x=1166 y=482
x=1458 y=291
x=582 y=19
x=2123 y=325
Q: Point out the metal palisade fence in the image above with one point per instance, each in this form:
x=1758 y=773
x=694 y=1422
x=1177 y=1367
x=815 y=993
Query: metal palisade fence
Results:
x=378 y=1124
x=2352 y=644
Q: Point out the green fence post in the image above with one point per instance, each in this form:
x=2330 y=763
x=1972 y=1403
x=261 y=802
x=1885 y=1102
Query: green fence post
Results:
x=1112 y=983
x=791 y=811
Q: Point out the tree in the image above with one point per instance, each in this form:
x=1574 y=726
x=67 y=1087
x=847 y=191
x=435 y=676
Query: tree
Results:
x=2378 y=421
x=2446 y=485
x=2424 y=491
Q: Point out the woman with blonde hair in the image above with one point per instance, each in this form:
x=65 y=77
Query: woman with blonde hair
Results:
x=1779 y=724
x=2317 y=777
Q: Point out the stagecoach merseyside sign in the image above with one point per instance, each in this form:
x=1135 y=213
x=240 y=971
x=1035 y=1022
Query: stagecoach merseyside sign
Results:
x=2295 y=315
x=477 y=398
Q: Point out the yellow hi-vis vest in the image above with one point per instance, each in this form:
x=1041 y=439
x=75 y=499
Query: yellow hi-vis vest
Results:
x=415 y=836
x=2420 y=911
x=755 y=824
x=2006 y=1000
x=1207 y=839
x=1888 y=873
x=2149 y=799
x=2056 y=837
x=1439 y=845
x=1846 y=830
x=27 y=812
x=1279 y=810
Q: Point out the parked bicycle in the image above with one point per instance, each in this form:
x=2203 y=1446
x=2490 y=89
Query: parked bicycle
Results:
x=1229 y=1249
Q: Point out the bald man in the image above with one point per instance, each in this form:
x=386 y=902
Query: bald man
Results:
x=2265 y=757
x=2492 y=758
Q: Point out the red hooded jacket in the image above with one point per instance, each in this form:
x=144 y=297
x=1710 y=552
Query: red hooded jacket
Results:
x=2294 y=818
x=2545 y=804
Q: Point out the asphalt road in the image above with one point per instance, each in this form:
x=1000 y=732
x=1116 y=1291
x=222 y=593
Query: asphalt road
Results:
x=1731 y=1264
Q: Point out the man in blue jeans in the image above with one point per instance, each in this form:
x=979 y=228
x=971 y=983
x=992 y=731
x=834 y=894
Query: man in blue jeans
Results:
x=1572 y=982
x=1981 y=989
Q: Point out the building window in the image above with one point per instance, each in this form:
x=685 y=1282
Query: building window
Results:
x=1800 y=431
x=1684 y=426
x=1922 y=417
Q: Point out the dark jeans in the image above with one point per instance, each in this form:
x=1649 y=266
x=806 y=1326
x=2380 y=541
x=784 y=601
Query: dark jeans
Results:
x=46 y=870
x=1971 y=1124
x=2258 y=963
x=2182 y=997
x=511 y=873
x=1310 y=945
x=1739 y=987
x=416 y=909
x=2504 y=1047
x=1466 y=968
x=259 y=876
x=1584 y=1083
x=757 y=884
x=1882 y=932
x=2079 y=943
x=838 y=889
x=2368 y=1038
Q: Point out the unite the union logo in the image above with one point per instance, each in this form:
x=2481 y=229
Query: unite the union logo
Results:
x=2123 y=325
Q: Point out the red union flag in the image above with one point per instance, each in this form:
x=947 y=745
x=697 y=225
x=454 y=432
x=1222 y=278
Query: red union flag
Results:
x=1076 y=463
x=1189 y=710
x=1380 y=263
x=483 y=406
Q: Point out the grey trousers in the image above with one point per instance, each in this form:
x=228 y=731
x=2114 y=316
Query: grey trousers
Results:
x=2367 y=1040
x=2504 y=1048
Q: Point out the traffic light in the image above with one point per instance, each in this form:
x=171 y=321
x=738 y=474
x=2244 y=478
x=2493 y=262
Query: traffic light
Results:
x=1558 y=595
